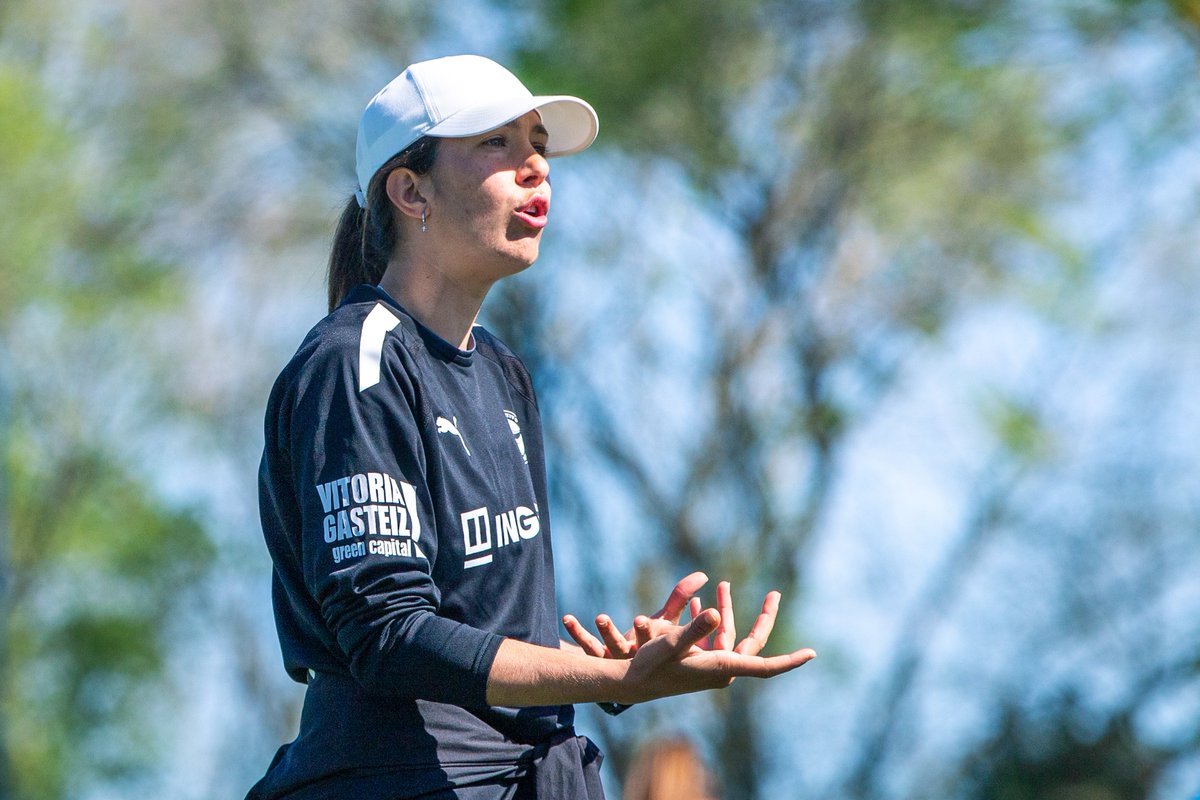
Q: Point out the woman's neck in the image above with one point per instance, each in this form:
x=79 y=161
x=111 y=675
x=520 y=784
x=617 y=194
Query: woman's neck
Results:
x=441 y=304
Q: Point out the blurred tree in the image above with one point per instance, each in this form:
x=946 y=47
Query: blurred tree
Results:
x=1054 y=757
x=93 y=564
x=875 y=174
x=793 y=204
x=861 y=178
x=208 y=141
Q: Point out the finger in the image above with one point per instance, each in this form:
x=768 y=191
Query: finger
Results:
x=757 y=667
x=590 y=644
x=680 y=595
x=641 y=630
x=756 y=640
x=726 y=633
x=618 y=645
x=647 y=628
x=694 y=609
x=697 y=630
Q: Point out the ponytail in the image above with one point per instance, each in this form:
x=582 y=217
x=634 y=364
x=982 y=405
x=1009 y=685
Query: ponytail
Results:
x=366 y=237
x=348 y=265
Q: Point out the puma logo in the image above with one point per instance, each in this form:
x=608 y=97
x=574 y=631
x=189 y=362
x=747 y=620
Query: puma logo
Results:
x=451 y=426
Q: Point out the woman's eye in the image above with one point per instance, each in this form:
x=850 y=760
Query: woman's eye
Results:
x=540 y=147
x=494 y=141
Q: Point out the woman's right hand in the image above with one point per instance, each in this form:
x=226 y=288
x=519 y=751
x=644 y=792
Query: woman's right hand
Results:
x=675 y=662
x=613 y=644
x=657 y=658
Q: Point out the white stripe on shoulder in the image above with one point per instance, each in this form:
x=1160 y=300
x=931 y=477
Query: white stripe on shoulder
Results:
x=370 y=344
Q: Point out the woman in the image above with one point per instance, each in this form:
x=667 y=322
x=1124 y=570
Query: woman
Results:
x=403 y=490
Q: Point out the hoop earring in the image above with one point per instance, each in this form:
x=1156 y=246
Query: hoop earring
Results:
x=424 y=227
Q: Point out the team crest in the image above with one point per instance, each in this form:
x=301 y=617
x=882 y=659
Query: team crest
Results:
x=515 y=427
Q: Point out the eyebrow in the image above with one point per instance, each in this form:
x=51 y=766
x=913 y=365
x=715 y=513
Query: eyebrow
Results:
x=539 y=128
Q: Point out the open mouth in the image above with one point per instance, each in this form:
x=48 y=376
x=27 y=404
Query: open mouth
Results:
x=534 y=212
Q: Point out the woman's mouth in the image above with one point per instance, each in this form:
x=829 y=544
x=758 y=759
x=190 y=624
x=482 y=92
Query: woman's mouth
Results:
x=534 y=213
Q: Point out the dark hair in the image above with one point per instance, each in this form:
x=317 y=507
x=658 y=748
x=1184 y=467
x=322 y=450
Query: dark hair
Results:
x=365 y=237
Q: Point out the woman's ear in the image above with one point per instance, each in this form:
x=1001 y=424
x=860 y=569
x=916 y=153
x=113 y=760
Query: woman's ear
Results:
x=406 y=191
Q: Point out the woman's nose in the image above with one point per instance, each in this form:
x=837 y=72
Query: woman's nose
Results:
x=535 y=170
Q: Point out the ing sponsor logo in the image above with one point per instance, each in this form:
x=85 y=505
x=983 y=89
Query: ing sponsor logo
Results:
x=510 y=527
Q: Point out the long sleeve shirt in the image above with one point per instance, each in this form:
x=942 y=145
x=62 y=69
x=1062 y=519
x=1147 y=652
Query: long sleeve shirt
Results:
x=403 y=502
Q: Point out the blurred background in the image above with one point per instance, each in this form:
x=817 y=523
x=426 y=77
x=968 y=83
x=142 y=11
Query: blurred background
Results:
x=891 y=306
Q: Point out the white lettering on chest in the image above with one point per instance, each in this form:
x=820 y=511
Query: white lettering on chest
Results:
x=509 y=527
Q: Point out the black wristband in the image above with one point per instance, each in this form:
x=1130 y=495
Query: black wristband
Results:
x=612 y=709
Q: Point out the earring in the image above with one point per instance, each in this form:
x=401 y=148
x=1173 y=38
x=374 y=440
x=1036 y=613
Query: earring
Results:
x=424 y=227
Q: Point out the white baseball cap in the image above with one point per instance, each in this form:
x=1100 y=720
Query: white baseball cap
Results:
x=460 y=96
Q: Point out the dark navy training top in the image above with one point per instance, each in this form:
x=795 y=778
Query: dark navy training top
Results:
x=403 y=501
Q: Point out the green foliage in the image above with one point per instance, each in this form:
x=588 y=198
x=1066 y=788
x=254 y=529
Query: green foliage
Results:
x=884 y=168
x=905 y=120
x=880 y=165
x=663 y=76
x=97 y=566
x=34 y=161
x=1018 y=428
x=1057 y=757
x=1189 y=13
x=66 y=240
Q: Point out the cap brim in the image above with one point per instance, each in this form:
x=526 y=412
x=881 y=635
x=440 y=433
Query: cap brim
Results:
x=571 y=122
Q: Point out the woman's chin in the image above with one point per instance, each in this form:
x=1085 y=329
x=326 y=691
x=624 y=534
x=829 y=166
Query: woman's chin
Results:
x=520 y=256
